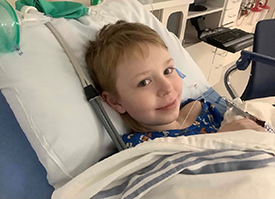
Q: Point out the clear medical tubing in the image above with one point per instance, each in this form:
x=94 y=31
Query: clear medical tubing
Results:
x=90 y=92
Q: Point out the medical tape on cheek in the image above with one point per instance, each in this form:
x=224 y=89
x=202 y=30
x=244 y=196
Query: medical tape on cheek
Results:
x=182 y=76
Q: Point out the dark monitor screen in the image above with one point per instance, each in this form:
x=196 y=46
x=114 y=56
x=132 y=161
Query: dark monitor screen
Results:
x=198 y=5
x=199 y=2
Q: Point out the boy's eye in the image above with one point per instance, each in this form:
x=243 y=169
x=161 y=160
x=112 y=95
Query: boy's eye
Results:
x=143 y=83
x=168 y=71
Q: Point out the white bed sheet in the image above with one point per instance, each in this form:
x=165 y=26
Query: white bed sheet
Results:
x=251 y=183
x=242 y=163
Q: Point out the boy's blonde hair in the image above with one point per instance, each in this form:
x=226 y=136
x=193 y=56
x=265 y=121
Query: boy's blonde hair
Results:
x=113 y=44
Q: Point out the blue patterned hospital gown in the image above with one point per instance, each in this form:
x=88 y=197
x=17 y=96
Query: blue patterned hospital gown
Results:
x=208 y=121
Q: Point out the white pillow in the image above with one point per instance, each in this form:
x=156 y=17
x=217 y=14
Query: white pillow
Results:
x=47 y=98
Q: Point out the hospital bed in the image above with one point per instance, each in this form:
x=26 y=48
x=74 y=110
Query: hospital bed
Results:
x=53 y=144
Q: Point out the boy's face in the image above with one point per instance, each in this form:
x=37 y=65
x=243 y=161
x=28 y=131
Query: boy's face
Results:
x=149 y=88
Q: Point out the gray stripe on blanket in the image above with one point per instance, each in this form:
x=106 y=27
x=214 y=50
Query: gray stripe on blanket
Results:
x=148 y=171
x=175 y=170
x=232 y=166
x=180 y=165
x=120 y=188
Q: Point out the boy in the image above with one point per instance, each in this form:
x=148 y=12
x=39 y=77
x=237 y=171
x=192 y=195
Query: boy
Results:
x=134 y=73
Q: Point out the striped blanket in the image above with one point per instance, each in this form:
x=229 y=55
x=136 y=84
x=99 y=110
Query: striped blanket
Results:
x=238 y=164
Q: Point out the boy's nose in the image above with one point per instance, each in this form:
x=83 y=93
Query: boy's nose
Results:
x=164 y=87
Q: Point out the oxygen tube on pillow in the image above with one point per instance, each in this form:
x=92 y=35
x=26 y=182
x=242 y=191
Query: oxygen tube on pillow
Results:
x=90 y=92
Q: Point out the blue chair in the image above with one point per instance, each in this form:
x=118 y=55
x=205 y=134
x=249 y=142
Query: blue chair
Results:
x=262 y=76
x=21 y=173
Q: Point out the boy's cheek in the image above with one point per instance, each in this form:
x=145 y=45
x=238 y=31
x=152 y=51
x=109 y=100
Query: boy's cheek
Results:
x=179 y=85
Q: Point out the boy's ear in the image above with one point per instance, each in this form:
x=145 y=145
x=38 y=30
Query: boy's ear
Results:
x=112 y=101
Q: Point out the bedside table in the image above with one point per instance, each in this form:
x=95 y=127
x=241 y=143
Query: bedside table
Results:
x=166 y=8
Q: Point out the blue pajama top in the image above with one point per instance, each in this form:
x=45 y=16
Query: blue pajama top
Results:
x=208 y=121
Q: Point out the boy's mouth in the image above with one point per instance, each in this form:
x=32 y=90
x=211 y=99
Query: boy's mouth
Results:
x=169 y=106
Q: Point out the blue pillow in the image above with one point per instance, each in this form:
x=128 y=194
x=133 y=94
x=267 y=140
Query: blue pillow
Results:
x=21 y=173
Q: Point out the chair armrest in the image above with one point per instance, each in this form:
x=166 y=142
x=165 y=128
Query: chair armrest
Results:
x=247 y=56
x=241 y=64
